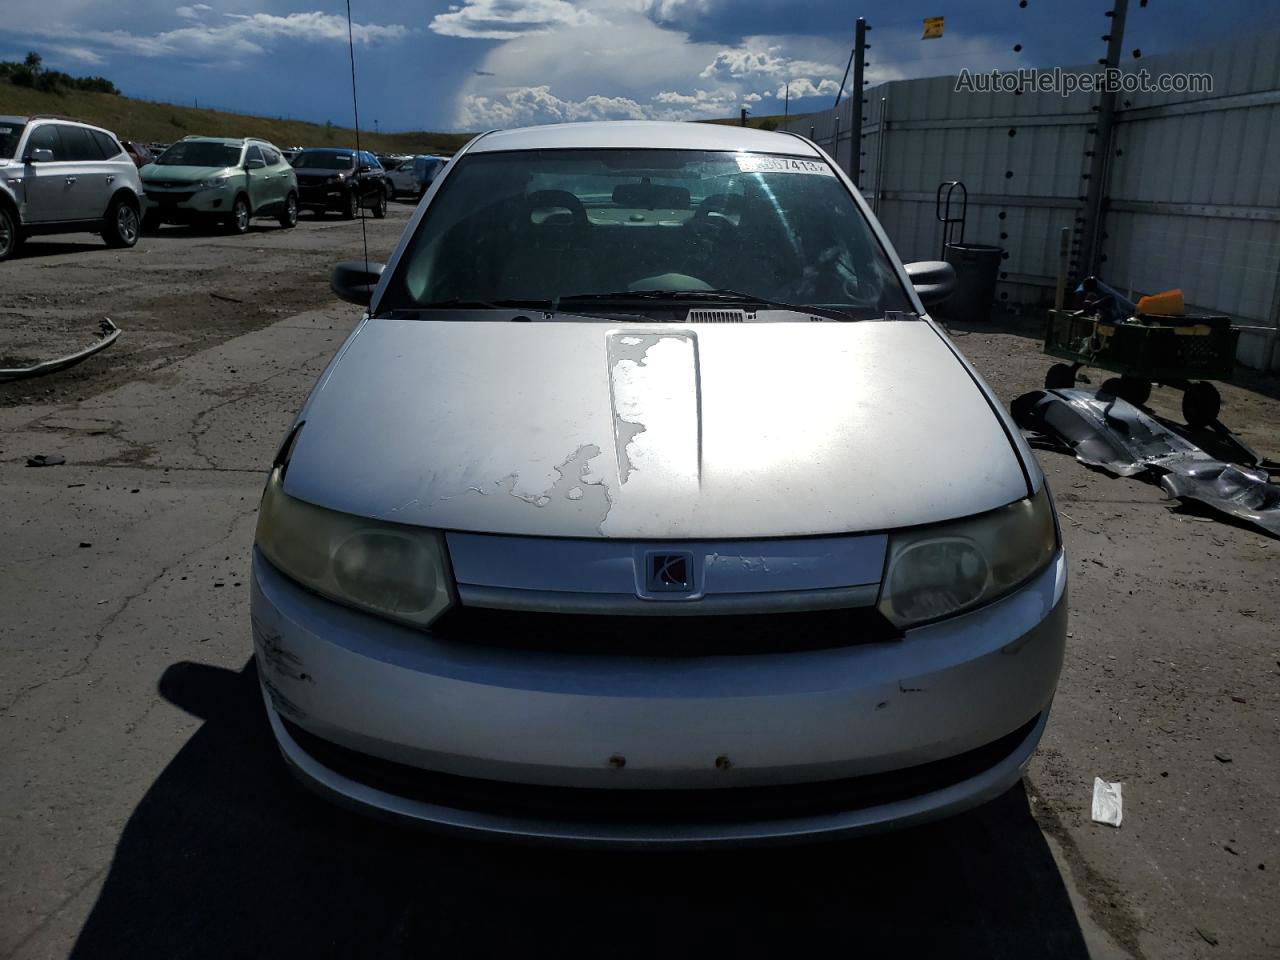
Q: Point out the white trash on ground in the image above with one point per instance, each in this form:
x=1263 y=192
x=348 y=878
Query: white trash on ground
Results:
x=1107 y=806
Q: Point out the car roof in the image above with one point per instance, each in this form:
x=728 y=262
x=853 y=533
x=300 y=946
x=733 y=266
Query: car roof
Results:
x=13 y=119
x=640 y=134
x=229 y=141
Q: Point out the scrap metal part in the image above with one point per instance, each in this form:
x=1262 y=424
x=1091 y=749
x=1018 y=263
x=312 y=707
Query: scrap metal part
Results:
x=108 y=332
x=1232 y=489
x=1107 y=432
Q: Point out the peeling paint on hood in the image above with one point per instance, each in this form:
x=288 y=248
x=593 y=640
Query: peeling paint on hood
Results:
x=652 y=430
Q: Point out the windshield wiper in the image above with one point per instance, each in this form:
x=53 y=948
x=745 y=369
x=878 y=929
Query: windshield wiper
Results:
x=461 y=303
x=705 y=296
x=547 y=307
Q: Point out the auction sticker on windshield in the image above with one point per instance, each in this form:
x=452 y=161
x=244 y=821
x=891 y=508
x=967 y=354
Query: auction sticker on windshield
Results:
x=756 y=163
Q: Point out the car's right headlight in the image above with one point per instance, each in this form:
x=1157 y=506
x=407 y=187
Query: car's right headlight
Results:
x=946 y=569
x=390 y=569
x=213 y=183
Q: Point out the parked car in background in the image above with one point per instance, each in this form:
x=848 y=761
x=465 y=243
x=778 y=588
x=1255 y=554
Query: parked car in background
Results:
x=158 y=148
x=389 y=160
x=291 y=153
x=137 y=152
x=414 y=175
x=341 y=180
x=220 y=180
x=649 y=506
x=63 y=176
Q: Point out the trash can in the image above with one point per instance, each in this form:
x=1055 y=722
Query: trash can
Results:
x=977 y=267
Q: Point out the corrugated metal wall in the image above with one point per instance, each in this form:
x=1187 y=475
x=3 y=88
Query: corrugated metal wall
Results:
x=1193 y=188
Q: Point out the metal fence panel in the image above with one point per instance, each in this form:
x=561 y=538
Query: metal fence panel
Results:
x=1193 y=185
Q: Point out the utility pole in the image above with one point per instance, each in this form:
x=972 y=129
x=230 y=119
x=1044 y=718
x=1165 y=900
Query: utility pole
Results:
x=855 y=133
x=742 y=121
x=1091 y=234
x=786 y=104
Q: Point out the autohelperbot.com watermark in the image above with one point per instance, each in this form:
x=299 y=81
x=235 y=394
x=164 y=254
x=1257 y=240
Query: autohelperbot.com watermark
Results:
x=1067 y=82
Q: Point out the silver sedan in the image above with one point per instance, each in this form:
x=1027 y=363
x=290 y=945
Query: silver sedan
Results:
x=647 y=505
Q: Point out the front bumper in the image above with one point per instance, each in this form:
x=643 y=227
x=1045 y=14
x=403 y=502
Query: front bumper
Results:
x=186 y=205
x=952 y=712
x=321 y=196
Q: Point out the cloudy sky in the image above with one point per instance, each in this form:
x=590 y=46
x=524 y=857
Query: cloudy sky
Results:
x=472 y=64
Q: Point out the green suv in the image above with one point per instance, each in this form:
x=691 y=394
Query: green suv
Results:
x=219 y=180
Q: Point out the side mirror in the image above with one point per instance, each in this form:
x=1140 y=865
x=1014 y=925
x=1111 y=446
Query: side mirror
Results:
x=40 y=155
x=254 y=164
x=354 y=280
x=933 y=281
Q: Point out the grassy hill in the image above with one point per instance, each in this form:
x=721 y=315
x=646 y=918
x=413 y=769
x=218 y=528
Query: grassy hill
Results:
x=150 y=122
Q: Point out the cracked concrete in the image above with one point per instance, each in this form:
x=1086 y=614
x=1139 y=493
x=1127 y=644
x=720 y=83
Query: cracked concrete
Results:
x=162 y=481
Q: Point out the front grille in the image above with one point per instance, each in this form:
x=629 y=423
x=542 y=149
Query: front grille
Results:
x=602 y=805
x=169 y=198
x=664 y=636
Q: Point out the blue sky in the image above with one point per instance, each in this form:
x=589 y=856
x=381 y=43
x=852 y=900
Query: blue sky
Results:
x=470 y=64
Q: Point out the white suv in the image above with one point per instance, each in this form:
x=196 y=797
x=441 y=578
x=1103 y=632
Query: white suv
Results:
x=62 y=176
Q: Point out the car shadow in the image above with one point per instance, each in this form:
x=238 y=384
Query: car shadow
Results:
x=225 y=856
x=34 y=248
x=197 y=231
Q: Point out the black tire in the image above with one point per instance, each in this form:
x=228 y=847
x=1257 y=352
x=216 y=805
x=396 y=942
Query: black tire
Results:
x=349 y=206
x=122 y=224
x=1136 y=390
x=150 y=223
x=1201 y=404
x=379 y=207
x=1061 y=376
x=238 y=221
x=10 y=233
x=289 y=213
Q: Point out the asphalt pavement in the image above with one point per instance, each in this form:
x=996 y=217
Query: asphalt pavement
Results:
x=145 y=813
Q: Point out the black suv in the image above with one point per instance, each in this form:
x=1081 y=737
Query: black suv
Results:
x=340 y=179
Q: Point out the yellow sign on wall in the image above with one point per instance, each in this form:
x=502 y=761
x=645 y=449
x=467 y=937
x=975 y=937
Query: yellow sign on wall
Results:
x=932 y=28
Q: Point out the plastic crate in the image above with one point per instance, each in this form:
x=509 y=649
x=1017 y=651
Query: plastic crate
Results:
x=1155 y=348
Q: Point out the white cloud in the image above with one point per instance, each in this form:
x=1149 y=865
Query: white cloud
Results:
x=757 y=61
x=805 y=87
x=78 y=54
x=193 y=12
x=508 y=19
x=237 y=35
x=752 y=98
x=676 y=11
x=533 y=105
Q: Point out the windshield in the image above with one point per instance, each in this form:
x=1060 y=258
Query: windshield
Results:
x=10 y=134
x=325 y=160
x=541 y=225
x=200 y=153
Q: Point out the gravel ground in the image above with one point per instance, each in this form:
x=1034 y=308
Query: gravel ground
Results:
x=143 y=812
x=175 y=293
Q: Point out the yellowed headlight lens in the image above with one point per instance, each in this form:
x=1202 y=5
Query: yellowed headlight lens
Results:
x=939 y=571
x=393 y=570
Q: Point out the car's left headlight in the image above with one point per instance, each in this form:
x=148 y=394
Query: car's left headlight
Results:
x=214 y=183
x=946 y=569
x=390 y=569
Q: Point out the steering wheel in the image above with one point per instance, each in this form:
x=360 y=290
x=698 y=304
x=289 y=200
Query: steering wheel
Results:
x=721 y=203
x=543 y=199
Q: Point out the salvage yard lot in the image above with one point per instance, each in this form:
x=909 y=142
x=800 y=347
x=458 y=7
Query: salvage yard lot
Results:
x=143 y=811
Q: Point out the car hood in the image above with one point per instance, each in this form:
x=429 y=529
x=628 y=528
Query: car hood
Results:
x=182 y=174
x=591 y=429
x=320 y=171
